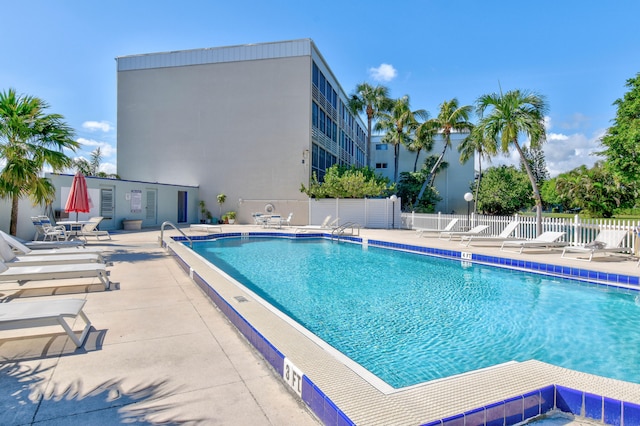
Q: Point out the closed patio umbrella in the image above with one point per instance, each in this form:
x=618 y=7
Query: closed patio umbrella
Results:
x=78 y=200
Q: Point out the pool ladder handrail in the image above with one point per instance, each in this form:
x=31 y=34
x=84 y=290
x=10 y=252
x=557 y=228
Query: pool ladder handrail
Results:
x=340 y=230
x=177 y=229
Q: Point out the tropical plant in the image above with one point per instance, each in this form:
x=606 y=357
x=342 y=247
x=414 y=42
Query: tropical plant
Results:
x=370 y=100
x=221 y=198
x=509 y=115
x=30 y=139
x=398 y=123
x=477 y=143
x=597 y=191
x=92 y=167
x=622 y=140
x=497 y=182
x=408 y=189
x=348 y=182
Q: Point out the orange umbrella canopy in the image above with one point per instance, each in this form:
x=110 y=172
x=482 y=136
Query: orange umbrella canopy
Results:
x=78 y=200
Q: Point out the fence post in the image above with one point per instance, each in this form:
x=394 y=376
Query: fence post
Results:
x=577 y=236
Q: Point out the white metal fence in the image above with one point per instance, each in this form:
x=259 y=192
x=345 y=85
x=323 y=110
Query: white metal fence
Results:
x=577 y=230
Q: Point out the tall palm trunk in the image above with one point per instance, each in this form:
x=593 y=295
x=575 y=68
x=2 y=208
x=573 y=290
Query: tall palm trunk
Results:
x=369 y=120
x=475 y=198
x=534 y=186
x=13 y=225
x=415 y=163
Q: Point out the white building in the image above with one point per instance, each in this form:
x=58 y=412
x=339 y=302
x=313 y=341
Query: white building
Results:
x=452 y=183
x=252 y=122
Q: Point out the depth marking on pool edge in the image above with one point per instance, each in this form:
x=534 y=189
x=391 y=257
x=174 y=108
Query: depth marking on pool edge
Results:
x=293 y=376
x=466 y=255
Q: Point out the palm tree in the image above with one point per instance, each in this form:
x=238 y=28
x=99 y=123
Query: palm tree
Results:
x=370 y=100
x=511 y=114
x=451 y=118
x=399 y=123
x=423 y=139
x=92 y=168
x=29 y=141
x=477 y=143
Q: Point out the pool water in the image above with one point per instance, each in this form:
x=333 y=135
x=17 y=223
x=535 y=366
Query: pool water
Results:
x=410 y=318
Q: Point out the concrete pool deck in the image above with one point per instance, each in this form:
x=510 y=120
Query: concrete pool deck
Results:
x=161 y=352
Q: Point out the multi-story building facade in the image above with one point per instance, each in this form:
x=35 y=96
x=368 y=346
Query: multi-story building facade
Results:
x=252 y=122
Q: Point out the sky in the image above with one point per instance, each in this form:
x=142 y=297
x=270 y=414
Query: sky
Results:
x=577 y=54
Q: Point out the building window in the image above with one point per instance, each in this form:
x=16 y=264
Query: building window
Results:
x=381 y=165
x=382 y=147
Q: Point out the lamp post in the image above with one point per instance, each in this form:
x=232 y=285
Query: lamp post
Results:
x=468 y=197
x=393 y=199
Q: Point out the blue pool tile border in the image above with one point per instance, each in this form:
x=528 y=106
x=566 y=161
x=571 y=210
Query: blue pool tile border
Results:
x=544 y=400
x=508 y=412
x=571 y=272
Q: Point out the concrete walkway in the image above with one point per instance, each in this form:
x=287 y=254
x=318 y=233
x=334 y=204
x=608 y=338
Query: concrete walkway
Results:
x=160 y=353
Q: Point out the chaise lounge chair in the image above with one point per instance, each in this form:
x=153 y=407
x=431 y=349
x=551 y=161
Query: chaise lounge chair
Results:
x=23 y=274
x=546 y=240
x=10 y=258
x=48 y=249
x=607 y=241
x=327 y=223
x=504 y=235
x=91 y=229
x=17 y=315
x=473 y=231
x=449 y=227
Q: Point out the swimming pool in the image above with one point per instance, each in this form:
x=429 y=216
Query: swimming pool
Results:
x=409 y=318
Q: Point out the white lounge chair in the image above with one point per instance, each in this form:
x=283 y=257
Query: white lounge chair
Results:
x=10 y=258
x=17 y=315
x=607 y=241
x=449 y=235
x=23 y=274
x=55 y=249
x=91 y=229
x=449 y=227
x=287 y=221
x=205 y=227
x=504 y=235
x=546 y=239
x=327 y=223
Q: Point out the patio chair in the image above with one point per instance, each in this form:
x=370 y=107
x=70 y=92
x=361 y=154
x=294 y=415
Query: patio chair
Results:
x=504 y=235
x=17 y=315
x=607 y=241
x=449 y=227
x=287 y=221
x=546 y=239
x=91 y=229
x=473 y=231
x=11 y=259
x=46 y=230
x=22 y=274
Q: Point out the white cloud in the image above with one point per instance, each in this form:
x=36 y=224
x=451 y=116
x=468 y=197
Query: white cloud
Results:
x=562 y=152
x=106 y=149
x=384 y=73
x=96 y=125
x=575 y=122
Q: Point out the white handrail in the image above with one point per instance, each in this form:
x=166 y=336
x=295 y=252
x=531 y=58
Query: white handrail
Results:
x=177 y=229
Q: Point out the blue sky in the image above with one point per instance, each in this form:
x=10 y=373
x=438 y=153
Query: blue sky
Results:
x=578 y=54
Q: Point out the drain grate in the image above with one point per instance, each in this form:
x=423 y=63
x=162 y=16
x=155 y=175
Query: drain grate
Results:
x=241 y=299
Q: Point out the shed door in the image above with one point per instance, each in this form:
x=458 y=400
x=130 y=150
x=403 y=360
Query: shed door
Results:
x=107 y=208
x=151 y=207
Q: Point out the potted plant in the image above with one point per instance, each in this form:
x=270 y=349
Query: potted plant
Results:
x=231 y=217
x=203 y=211
x=209 y=216
x=221 y=198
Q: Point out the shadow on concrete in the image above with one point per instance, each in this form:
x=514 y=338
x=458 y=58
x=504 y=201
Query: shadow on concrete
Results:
x=25 y=401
